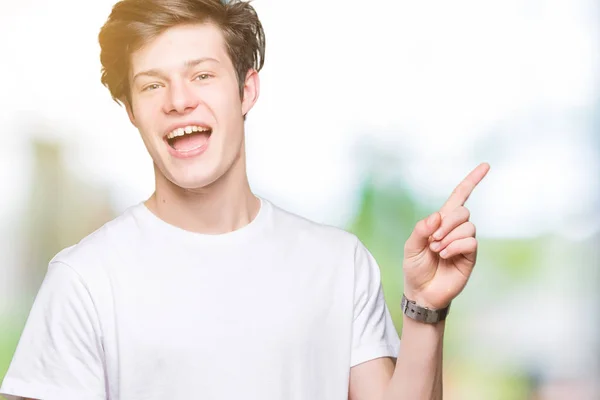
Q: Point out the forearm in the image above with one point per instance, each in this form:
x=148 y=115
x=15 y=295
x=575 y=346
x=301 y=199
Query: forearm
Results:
x=418 y=371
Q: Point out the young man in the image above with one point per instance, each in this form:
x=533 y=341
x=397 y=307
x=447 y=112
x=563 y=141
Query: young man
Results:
x=208 y=291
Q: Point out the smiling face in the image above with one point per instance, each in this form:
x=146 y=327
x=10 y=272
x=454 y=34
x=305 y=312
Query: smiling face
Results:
x=186 y=103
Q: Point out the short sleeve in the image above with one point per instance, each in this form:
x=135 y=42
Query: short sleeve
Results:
x=59 y=355
x=373 y=332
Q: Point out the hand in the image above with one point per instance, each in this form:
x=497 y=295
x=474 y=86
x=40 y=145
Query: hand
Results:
x=440 y=254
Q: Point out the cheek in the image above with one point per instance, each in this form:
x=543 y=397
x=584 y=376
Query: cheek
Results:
x=226 y=106
x=146 y=115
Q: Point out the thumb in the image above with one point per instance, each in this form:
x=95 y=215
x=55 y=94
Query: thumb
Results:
x=419 y=238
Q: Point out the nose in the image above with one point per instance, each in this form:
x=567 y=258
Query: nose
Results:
x=181 y=99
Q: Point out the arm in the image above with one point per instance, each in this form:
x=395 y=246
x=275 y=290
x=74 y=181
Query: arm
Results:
x=439 y=257
x=417 y=374
x=420 y=362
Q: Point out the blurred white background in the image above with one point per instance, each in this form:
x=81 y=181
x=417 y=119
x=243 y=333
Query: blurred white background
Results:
x=430 y=88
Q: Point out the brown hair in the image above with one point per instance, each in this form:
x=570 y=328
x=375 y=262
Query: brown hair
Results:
x=134 y=23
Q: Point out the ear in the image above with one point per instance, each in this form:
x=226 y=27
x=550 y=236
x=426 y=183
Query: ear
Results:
x=129 y=112
x=251 y=91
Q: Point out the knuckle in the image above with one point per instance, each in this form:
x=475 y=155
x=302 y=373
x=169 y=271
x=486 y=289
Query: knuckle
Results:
x=467 y=213
x=458 y=189
x=472 y=228
x=421 y=227
x=461 y=190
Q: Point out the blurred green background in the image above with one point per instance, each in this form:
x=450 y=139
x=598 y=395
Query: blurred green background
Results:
x=367 y=121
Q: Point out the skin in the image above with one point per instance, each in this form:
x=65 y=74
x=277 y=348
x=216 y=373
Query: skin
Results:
x=208 y=193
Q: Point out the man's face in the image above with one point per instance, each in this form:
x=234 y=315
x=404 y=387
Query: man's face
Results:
x=186 y=103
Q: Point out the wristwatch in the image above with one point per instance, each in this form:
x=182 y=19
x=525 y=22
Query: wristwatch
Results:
x=423 y=314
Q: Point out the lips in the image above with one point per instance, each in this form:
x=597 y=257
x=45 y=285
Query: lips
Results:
x=189 y=140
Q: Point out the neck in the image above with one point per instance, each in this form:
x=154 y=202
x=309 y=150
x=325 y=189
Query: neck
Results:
x=223 y=206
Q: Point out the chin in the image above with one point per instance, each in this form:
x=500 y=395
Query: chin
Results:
x=193 y=181
x=195 y=173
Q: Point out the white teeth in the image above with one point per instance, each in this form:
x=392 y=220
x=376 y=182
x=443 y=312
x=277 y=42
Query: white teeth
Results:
x=187 y=130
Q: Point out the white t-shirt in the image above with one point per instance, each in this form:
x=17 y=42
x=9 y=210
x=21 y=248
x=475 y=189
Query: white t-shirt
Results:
x=142 y=310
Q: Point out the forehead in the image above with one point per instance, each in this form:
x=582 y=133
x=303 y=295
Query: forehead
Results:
x=179 y=44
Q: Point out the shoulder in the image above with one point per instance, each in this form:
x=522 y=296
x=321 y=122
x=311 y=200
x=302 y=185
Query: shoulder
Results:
x=292 y=226
x=327 y=241
x=101 y=244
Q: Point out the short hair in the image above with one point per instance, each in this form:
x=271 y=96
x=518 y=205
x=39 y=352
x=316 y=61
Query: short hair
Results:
x=133 y=23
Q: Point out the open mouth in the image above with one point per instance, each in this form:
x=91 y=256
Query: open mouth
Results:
x=188 y=138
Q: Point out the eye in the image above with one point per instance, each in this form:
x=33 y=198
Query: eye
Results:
x=151 y=87
x=202 y=77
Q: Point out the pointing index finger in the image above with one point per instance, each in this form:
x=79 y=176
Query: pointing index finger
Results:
x=464 y=189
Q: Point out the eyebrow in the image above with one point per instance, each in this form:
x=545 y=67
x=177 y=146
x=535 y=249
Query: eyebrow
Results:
x=188 y=64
